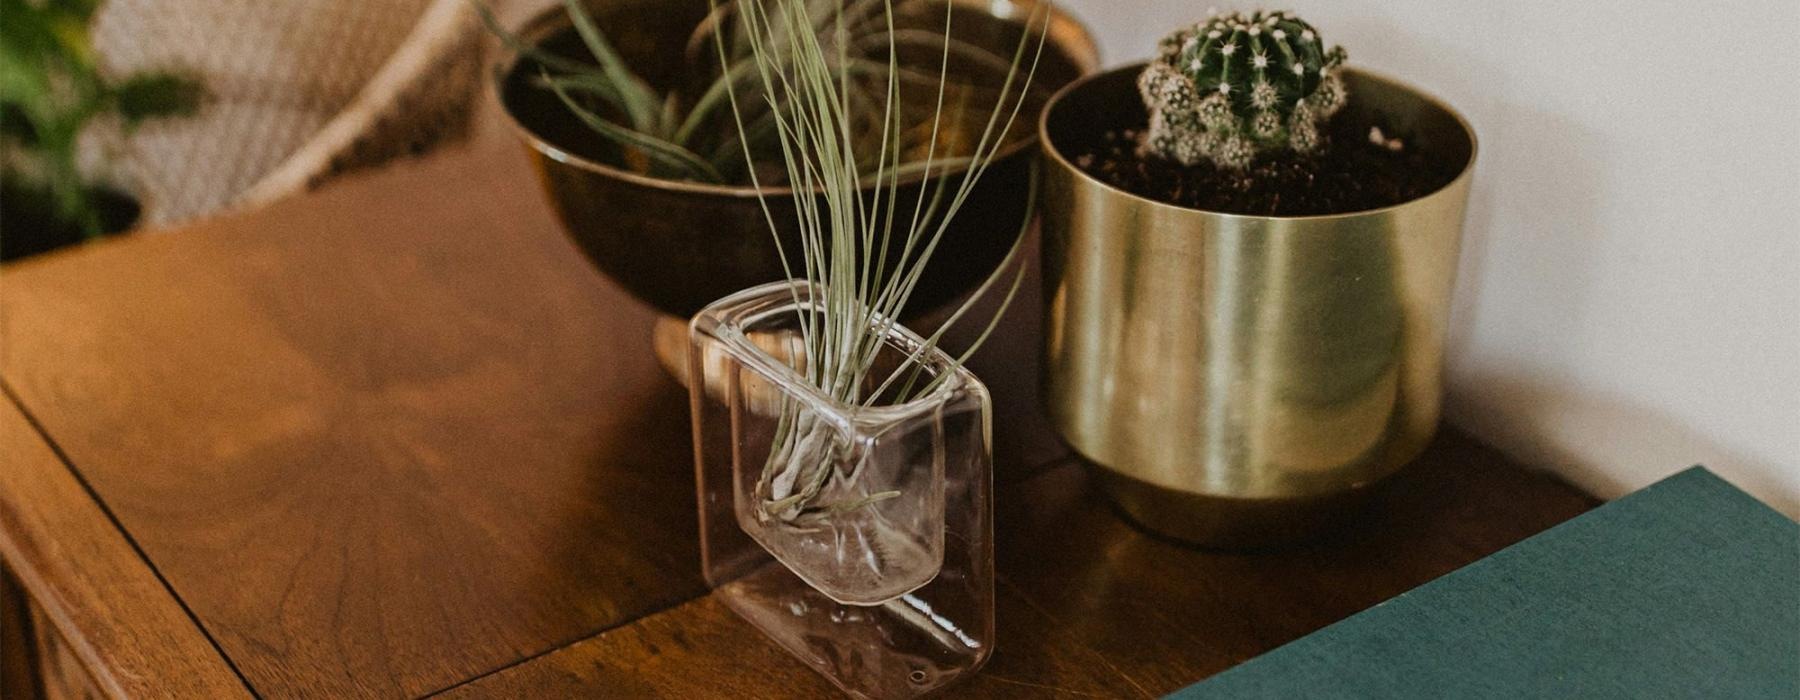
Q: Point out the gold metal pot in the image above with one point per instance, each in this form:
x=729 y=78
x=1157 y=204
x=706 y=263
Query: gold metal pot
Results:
x=1241 y=380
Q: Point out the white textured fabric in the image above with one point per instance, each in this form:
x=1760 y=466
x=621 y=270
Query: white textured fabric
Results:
x=280 y=71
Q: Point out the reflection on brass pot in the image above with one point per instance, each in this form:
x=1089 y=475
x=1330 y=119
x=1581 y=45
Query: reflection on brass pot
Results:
x=679 y=246
x=1241 y=380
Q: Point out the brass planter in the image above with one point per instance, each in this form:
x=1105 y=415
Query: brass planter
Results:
x=1241 y=380
x=679 y=246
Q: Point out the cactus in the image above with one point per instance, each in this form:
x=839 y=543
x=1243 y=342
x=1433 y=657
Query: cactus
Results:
x=1237 y=86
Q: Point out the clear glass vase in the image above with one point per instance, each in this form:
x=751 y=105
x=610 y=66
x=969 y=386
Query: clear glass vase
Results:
x=860 y=538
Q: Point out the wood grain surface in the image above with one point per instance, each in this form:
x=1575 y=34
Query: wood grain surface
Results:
x=397 y=438
x=92 y=592
x=1091 y=607
x=379 y=440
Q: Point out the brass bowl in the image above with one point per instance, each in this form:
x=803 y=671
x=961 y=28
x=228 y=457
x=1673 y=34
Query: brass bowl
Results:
x=679 y=246
x=1242 y=380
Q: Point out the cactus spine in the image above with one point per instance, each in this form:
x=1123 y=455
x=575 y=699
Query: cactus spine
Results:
x=1236 y=86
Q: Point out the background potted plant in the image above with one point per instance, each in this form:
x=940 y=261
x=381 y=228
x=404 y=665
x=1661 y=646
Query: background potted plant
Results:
x=1249 y=252
x=640 y=157
x=51 y=91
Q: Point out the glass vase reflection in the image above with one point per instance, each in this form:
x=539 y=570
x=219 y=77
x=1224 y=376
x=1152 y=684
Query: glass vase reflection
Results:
x=858 y=536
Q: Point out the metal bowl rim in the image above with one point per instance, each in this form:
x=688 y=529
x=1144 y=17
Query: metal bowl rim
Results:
x=1083 y=56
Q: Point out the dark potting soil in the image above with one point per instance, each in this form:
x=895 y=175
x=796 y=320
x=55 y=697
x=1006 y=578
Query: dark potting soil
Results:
x=1349 y=173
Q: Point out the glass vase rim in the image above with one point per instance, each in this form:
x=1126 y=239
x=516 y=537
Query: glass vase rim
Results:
x=726 y=319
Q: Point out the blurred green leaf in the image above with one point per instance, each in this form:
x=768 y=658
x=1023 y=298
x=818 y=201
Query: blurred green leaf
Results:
x=153 y=95
x=25 y=44
x=40 y=36
x=51 y=90
x=72 y=41
x=80 y=10
x=16 y=126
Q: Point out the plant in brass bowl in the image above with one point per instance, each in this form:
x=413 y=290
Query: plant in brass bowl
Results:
x=620 y=103
x=844 y=462
x=1249 y=251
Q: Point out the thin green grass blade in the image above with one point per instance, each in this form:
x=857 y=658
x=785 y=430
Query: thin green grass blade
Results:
x=638 y=100
x=519 y=46
x=663 y=152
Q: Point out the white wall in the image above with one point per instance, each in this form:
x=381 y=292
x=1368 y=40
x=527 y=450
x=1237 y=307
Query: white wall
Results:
x=1629 y=300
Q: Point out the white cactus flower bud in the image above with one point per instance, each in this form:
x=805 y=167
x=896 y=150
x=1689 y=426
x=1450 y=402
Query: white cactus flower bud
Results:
x=1267 y=124
x=1264 y=95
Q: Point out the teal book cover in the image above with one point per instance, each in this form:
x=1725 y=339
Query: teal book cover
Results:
x=1688 y=588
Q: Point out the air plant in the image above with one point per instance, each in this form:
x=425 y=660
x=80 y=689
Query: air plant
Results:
x=856 y=289
x=689 y=137
x=1237 y=86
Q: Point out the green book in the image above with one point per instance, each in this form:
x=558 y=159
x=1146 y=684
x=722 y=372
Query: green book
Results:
x=1688 y=588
